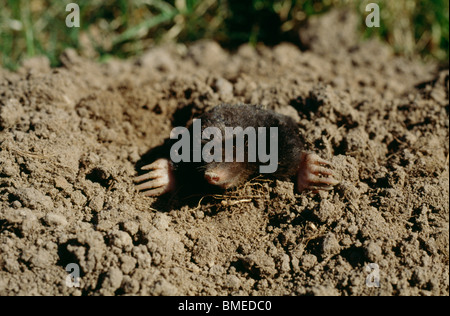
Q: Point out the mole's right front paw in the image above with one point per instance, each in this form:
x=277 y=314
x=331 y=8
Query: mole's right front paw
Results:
x=314 y=173
x=160 y=179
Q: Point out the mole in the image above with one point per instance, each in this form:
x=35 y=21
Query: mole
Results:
x=225 y=170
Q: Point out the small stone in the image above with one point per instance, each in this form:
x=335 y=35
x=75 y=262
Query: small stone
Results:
x=223 y=87
x=128 y=263
x=131 y=227
x=233 y=282
x=308 y=261
x=330 y=245
x=16 y=204
x=129 y=285
x=205 y=250
x=32 y=198
x=52 y=219
x=10 y=113
x=163 y=287
x=161 y=221
x=321 y=290
x=113 y=279
x=373 y=251
x=260 y=264
x=122 y=240
x=97 y=203
x=41 y=259
x=61 y=183
x=9 y=169
x=325 y=210
x=285 y=266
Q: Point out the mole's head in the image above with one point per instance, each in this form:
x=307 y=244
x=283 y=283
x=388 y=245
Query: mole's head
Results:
x=224 y=136
x=227 y=174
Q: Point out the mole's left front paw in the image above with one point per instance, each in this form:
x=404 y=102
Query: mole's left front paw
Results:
x=314 y=173
x=160 y=179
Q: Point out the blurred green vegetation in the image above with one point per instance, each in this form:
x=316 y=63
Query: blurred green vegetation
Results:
x=127 y=27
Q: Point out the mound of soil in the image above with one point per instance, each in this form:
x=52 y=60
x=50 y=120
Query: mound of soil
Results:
x=71 y=138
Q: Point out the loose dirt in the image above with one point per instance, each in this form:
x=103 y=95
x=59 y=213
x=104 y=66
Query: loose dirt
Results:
x=71 y=139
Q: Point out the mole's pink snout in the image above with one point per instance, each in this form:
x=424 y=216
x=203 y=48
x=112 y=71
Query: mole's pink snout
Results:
x=212 y=178
x=219 y=177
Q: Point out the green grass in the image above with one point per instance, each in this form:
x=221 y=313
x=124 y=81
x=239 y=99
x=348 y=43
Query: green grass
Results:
x=125 y=28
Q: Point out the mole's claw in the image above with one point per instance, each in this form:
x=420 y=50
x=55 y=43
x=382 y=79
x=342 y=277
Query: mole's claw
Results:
x=161 y=178
x=312 y=174
x=319 y=170
x=155 y=192
x=150 y=175
x=152 y=184
x=157 y=164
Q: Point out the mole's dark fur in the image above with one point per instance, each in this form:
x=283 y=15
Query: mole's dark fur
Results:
x=225 y=115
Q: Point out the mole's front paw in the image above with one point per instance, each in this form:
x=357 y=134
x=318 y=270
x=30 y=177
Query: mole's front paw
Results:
x=160 y=179
x=314 y=173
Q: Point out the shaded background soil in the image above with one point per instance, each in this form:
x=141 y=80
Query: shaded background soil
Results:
x=71 y=138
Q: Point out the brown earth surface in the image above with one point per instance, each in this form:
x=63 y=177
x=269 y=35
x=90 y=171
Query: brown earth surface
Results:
x=71 y=138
